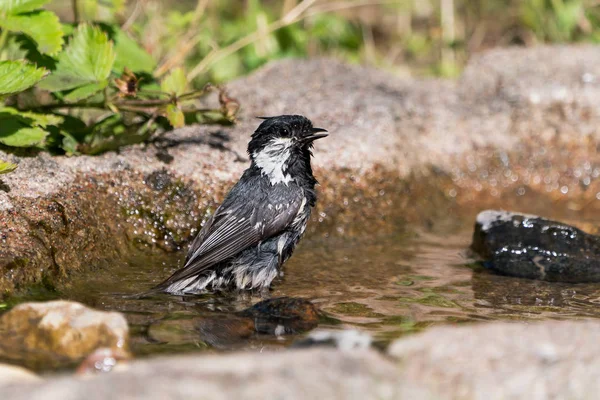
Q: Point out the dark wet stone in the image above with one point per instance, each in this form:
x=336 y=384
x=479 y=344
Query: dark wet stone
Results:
x=214 y=330
x=284 y=315
x=532 y=247
x=220 y=331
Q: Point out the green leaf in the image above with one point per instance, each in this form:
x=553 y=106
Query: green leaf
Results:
x=83 y=92
x=16 y=76
x=20 y=6
x=88 y=58
x=227 y=68
x=175 y=116
x=175 y=82
x=24 y=129
x=131 y=55
x=34 y=119
x=104 y=10
x=6 y=167
x=42 y=26
x=23 y=137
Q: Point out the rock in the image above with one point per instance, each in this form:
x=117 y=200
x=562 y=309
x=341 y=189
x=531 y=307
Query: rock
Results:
x=282 y=316
x=277 y=317
x=288 y=375
x=59 y=333
x=500 y=360
x=217 y=330
x=532 y=247
x=345 y=340
x=11 y=374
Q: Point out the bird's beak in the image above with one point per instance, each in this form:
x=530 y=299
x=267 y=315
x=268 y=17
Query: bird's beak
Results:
x=314 y=135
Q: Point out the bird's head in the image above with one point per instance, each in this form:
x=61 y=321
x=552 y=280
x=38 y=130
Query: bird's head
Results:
x=282 y=145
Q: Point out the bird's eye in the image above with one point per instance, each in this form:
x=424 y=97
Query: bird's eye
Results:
x=285 y=132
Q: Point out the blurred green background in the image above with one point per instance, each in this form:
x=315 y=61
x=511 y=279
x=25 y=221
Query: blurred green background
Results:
x=220 y=40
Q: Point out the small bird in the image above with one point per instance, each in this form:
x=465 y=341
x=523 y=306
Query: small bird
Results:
x=258 y=225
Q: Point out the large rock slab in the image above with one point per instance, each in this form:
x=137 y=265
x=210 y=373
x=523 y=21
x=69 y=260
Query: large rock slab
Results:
x=301 y=374
x=11 y=374
x=59 y=333
x=543 y=360
x=482 y=134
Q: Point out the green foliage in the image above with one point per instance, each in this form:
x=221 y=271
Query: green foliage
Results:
x=41 y=26
x=6 y=167
x=12 y=7
x=174 y=83
x=553 y=20
x=130 y=54
x=86 y=61
x=16 y=76
x=95 y=94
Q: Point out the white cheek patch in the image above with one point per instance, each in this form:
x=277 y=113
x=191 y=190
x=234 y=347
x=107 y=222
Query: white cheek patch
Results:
x=272 y=159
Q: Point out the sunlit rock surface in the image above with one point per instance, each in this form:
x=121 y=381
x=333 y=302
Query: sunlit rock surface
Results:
x=11 y=374
x=58 y=333
x=498 y=360
x=302 y=374
x=533 y=247
x=542 y=360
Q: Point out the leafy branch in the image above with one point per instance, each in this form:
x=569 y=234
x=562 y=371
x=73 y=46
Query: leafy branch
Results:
x=94 y=93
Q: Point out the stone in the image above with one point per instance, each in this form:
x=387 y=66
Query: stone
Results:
x=503 y=360
x=59 y=333
x=283 y=315
x=529 y=246
x=12 y=374
x=220 y=331
x=278 y=316
x=286 y=375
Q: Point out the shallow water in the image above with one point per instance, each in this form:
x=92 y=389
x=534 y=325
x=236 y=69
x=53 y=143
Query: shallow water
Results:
x=389 y=285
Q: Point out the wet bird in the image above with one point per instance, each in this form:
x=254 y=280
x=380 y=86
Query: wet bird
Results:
x=258 y=225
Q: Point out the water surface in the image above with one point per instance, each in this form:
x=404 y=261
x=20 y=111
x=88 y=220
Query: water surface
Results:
x=390 y=285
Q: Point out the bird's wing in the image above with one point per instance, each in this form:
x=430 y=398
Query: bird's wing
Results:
x=236 y=226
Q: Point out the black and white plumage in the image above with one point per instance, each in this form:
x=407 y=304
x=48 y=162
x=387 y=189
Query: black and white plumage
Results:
x=258 y=225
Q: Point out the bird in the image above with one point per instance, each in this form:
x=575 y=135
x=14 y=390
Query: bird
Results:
x=256 y=228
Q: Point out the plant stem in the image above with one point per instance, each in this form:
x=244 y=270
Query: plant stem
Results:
x=75 y=11
x=3 y=37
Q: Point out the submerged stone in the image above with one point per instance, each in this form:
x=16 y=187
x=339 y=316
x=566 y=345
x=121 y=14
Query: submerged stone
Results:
x=533 y=247
x=219 y=331
x=283 y=315
x=58 y=333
